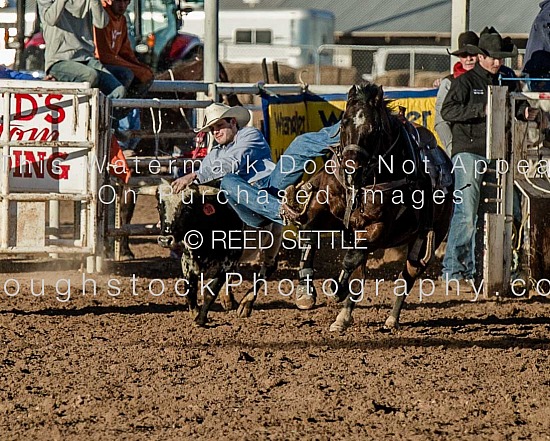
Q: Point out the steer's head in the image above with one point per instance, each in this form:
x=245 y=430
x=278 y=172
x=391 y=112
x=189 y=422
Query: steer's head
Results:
x=173 y=211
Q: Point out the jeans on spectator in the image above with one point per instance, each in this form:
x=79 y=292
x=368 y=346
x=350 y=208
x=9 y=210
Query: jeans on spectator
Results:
x=459 y=260
x=134 y=88
x=91 y=71
x=123 y=74
x=130 y=122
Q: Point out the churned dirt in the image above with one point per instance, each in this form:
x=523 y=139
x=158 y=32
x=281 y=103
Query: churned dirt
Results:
x=133 y=366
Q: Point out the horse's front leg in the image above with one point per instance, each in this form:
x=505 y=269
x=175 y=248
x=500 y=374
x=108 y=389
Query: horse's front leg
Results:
x=352 y=260
x=306 y=294
x=410 y=273
x=127 y=206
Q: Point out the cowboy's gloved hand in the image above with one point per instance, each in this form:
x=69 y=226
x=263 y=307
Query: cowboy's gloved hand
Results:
x=181 y=183
x=531 y=113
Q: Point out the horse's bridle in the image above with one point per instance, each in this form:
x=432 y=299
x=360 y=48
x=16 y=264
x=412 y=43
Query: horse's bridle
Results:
x=351 y=192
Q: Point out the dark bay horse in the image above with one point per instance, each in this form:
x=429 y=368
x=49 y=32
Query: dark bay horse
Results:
x=377 y=206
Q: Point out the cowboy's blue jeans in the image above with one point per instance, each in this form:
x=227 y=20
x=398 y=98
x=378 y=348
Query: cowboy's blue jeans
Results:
x=252 y=202
x=459 y=260
x=258 y=204
x=303 y=148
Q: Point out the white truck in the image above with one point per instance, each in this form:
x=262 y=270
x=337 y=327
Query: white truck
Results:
x=289 y=37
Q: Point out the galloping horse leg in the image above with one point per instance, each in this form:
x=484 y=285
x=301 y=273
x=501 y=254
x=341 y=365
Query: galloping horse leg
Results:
x=269 y=266
x=412 y=270
x=306 y=294
x=127 y=206
x=352 y=260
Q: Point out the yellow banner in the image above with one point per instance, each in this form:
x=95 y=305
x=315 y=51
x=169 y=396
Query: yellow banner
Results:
x=286 y=121
x=324 y=113
x=290 y=119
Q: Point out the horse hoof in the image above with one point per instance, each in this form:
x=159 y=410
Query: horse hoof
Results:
x=391 y=323
x=228 y=304
x=339 y=326
x=244 y=310
x=245 y=307
x=305 y=299
x=201 y=321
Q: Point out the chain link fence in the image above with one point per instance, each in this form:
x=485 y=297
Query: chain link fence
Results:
x=401 y=66
x=398 y=66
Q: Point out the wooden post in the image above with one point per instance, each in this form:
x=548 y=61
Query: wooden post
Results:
x=497 y=247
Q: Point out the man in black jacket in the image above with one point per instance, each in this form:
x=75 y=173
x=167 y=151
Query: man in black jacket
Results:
x=465 y=108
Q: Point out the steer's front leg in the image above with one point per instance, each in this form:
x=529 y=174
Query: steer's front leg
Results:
x=209 y=291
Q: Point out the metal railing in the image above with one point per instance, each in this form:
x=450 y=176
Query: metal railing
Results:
x=48 y=154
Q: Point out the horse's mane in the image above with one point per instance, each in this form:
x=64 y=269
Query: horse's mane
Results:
x=369 y=94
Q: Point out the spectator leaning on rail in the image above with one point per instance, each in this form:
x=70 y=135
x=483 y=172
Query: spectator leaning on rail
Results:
x=536 y=63
x=68 y=33
x=465 y=108
x=467 y=56
x=115 y=52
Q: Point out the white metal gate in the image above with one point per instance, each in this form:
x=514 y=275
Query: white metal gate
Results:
x=50 y=155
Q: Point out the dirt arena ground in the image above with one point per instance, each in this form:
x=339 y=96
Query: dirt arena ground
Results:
x=134 y=366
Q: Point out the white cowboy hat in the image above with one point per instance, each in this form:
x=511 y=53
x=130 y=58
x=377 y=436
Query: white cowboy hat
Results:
x=216 y=111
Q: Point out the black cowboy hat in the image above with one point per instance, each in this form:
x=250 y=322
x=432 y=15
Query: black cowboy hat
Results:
x=467 y=44
x=491 y=44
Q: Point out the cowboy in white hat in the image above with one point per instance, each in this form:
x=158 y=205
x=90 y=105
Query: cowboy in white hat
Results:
x=238 y=149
